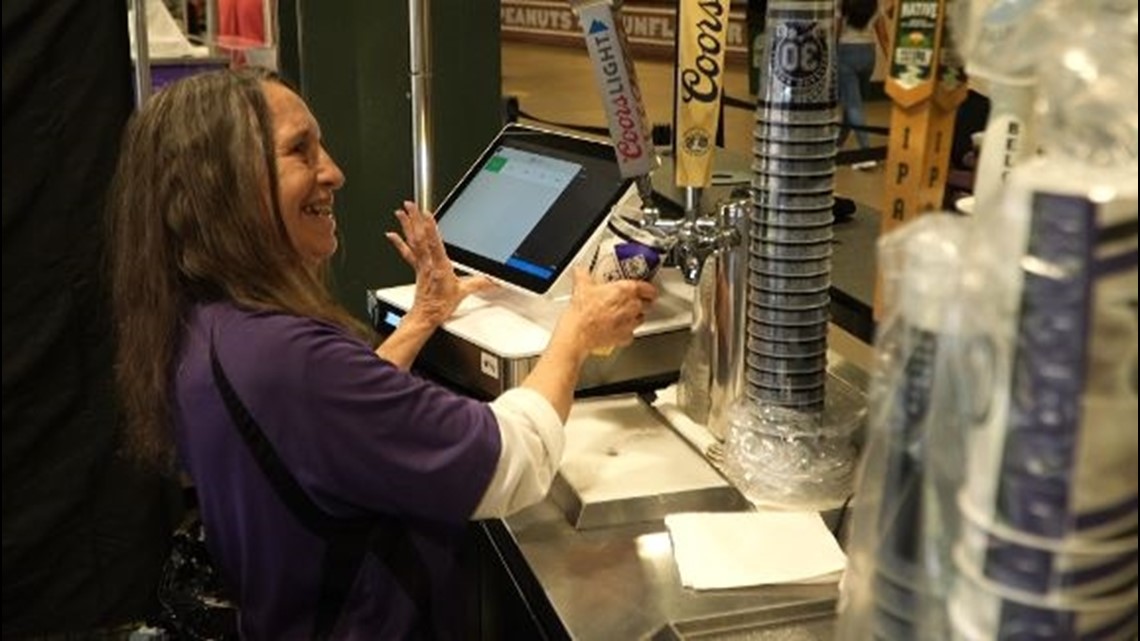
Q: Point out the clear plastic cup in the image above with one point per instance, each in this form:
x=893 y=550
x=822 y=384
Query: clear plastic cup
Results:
x=990 y=610
x=787 y=284
x=793 y=348
x=792 y=300
x=768 y=250
x=789 y=235
x=787 y=365
x=822 y=182
x=771 y=147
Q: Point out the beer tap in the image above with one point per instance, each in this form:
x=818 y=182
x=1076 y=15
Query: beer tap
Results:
x=691 y=240
x=706 y=234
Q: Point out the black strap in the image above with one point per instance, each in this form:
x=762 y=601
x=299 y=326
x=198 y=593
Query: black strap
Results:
x=347 y=540
x=339 y=567
x=393 y=546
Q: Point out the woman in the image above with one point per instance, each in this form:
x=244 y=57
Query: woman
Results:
x=222 y=221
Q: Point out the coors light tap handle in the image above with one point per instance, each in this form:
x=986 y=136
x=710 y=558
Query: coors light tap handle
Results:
x=617 y=81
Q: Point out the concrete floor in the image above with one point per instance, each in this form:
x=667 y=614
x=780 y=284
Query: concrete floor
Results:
x=557 y=84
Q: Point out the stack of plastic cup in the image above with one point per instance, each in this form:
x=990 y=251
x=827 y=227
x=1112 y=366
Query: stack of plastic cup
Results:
x=897 y=586
x=1047 y=546
x=898 y=582
x=1024 y=588
x=1032 y=564
x=787 y=446
x=791 y=459
x=790 y=231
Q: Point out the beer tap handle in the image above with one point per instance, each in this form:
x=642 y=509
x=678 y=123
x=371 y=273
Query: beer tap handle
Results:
x=650 y=213
x=692 y=203
x=729 y=215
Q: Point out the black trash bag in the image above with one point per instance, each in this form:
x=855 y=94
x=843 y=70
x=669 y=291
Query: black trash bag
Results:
x=195 y=604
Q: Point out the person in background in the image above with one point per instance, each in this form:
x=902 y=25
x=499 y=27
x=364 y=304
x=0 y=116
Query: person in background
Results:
x=242 y=28
x=856 y=60
x=969 y=124
x=243 y=21
x=222 y=221
x=196 y=19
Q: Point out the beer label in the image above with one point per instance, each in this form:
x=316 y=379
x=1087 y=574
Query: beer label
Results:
x=1008 y=140
x=800 y=71
x=914 y=50
x=799 y=66
x=618 y=259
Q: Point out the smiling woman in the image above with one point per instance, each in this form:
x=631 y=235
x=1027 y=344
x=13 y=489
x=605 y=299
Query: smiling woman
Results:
x=236 y=366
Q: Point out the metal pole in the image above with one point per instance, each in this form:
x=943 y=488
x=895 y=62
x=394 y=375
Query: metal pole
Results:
x=269 y=23
x=420 y=76
x=142 y=53
x=212 y=24
x=300 y=42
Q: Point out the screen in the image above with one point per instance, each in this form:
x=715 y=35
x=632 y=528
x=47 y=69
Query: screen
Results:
x=529 y=204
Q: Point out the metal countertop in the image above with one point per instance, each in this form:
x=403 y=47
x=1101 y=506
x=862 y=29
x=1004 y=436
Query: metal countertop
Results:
x=618 y=582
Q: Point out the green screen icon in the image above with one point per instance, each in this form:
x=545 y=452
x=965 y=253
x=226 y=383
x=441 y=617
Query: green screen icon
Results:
x=495 y=164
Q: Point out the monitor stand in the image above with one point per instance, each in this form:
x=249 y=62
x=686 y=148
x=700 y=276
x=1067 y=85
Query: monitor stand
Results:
x=494 y=339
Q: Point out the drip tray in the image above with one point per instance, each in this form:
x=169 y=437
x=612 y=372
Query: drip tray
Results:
x=805 y=621
x=623 y=464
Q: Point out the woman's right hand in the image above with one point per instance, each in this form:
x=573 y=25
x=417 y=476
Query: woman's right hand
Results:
x=604 y=315
x=599 y=316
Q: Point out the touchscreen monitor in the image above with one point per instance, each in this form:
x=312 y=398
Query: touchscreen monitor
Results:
x=529 y=204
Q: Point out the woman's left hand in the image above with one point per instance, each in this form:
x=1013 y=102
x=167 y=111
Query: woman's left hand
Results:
x=438 y=290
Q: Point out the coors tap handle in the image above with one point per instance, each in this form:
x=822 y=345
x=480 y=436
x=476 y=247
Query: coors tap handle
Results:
x=702 y=26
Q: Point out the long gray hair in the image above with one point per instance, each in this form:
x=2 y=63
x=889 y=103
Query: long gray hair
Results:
x=193 y=217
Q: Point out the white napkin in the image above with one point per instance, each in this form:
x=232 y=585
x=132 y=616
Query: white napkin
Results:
x=695 y=433
x=735 y=549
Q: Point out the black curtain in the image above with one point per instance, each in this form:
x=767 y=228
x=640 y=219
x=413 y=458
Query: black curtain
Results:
x=83 y=533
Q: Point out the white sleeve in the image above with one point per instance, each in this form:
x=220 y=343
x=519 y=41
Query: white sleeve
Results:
x=532 y=441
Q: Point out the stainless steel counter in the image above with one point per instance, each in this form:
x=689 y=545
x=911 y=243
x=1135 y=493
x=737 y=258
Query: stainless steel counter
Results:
x=621 y=582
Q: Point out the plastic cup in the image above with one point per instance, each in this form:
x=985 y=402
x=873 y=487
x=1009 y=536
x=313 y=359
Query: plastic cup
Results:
x=796 y=349
x=1085 y=571
x=766 y=145
x=787 y=365
x=789 y=235
x=777 y=106
x=785 y=201
x=793 y=300
x=794 y=166
x=818 y=133
x=791 y=267
x=993 y=611
x=787 y=284
x=776 y=215
x=768 y=250
x=787 y=334
x=780 y=316
x=778 y=182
